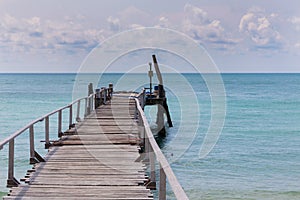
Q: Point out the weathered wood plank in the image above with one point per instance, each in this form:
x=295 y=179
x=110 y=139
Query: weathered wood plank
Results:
x=76 y=198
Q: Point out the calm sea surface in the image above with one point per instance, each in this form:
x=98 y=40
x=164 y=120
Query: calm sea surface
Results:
x=257 y=155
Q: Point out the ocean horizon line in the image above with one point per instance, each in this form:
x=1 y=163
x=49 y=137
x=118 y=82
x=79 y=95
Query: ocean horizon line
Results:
x=90 y=73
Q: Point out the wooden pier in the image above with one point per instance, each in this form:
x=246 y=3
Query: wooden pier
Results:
x=96 y=159
x=101 y=156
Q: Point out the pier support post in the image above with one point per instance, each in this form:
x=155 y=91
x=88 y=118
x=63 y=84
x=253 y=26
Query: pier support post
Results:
x=166 y=108
x=160 y=120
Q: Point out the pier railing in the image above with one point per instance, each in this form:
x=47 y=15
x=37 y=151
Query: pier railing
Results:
x=89 y=106
x=153 y=151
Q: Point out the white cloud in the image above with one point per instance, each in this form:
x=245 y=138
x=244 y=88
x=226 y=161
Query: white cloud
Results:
x=198 y=25
x=295 y=22
x=34 y=21
x=259 y=28
x=135 y=26
x=35 y=34
x=133 y=15
x=195 y=15
x=114 y=24
x=163 y=22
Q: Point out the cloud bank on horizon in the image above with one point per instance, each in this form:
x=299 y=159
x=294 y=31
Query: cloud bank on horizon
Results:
x=241 y=37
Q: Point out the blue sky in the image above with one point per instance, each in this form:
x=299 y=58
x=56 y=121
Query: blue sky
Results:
x=240 y=36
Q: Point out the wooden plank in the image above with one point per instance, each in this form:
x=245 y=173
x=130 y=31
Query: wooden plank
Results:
x=75 y=198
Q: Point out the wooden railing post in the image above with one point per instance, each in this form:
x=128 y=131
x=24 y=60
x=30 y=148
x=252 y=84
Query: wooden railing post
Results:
x=86 y=107
x=162 y=184
x=143 y=99
x=147 y=148
x=101 y=97
x=78 y=112
x=89 y=103
x=11 y=181
x=97 y=98
x=136 y=116
x=31 y=140
x=104 y=94
x=110 y=90
x=92 y=103
x=152 y=167
x=59 y=131
x=11 y=159
x=47 y=139
x=89 y=106
x=70 y=116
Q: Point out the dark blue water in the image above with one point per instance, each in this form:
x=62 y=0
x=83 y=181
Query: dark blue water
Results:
x=256 y=155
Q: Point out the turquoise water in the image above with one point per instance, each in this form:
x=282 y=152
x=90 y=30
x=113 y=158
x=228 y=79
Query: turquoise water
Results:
x=255 y=157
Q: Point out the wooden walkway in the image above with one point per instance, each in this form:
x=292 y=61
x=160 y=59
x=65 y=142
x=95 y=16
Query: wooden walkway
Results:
x=97 y=159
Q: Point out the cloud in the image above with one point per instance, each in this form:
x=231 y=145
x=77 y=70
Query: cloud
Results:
x=114 y=24
x=195 y=15
x=163 y=22
x=35 y=34
x=295 y=22
x=135 y=26
x=34 y=40
x=199 y=26
x=133 y=15
x=258 y=26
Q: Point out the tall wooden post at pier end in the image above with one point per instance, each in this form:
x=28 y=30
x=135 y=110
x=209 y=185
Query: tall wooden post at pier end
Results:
x=159 y=98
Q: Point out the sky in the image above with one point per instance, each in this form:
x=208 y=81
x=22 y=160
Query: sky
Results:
x=238 y=35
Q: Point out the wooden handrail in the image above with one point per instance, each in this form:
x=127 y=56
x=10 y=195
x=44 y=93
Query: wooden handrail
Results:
x=165 y=168
x=20 y=131
x=34 y=156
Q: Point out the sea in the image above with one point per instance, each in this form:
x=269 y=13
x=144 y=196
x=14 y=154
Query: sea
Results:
x=248 y=125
